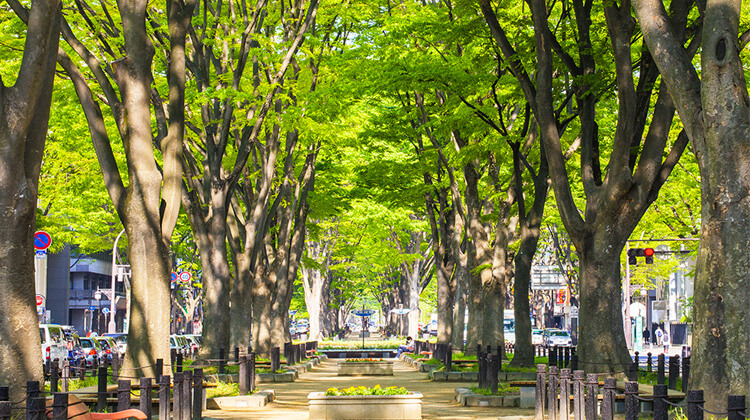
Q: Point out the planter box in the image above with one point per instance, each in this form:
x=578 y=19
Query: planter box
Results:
x=365 y=406
x=469 y=399
x=365 y=368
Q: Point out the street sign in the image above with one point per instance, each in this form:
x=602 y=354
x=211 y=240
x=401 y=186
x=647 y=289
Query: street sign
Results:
x=105 y=311
x=174 y=276
x=185 y=276
x=363 y=312
x=40 y=310
x=39 y=300
x=92 y=308
x=40 y=255
x=42 y=240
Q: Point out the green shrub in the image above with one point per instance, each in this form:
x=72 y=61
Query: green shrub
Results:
x=361 y=390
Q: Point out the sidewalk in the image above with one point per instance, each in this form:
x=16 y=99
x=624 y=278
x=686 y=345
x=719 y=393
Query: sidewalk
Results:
x=438 y=402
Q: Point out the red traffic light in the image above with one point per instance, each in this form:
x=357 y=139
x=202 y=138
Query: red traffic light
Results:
x=648 y=252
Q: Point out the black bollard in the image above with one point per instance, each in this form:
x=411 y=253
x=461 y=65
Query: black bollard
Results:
x=5 y=410
x=552 y=356
x=631 y=401
x=36 y=408
x=695 y=405
x=275 y=359
x=251 y=371
x=177 y=397
x=159 y=368
x=735 y=407
x=236 y=354
x=493 y=362
x=633 y=371
x=164 y=396
x=4 y=393
x=674 y=371
x=172 y=357
x=573 y=359
x=101 y=383
x=65 y=375
x=243 y=375
x=660 y=369
x=660 y=402
x=448 y=358
x=685 y=372
x=649 y=363
x=187 y=390
x=54 y=376
x=608 y=399
x=32 y=395
x=592 y=395
x=115 y=367
x=60 y=405
x=178 y=368
x=552 y=394
x=541 y=382
x=565 y=376
x=221 y=361
x=123 y=395
x=578 y=394
x=146 y=399
x=288 y=354
x=197 y=394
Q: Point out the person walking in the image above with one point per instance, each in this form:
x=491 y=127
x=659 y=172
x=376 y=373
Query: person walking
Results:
x=665 y=341
x=646 y=336
x=659 y=335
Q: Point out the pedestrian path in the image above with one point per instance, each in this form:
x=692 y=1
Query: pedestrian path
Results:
x=437 y=403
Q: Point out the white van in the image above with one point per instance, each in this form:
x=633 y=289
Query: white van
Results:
x=54 y=345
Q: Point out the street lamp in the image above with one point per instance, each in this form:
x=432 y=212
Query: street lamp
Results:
x=98 y=297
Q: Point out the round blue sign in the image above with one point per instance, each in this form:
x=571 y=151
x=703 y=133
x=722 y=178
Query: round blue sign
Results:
x=42 y=240
x=363 y=312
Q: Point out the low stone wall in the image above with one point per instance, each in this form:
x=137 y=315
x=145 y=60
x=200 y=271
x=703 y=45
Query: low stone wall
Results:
x=292 y=373
x=467 y=397
x=392 y=407
x=474 y=376
x=242 y=402
x=420 y=366
x=375 y=368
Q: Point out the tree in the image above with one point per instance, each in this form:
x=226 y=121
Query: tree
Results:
x=24 y=115
x=228 y=123
x=637 y=164
x=715 y=111
x=149 y=205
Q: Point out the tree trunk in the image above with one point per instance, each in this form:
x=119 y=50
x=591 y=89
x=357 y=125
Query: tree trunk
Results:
x=24 y=117
x=524 y=350
x=459 y=311
x=601 y=346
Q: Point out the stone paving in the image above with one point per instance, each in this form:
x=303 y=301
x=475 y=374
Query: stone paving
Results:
x=438 y=401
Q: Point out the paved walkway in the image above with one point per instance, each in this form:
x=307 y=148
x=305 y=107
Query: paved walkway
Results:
x=438 y=402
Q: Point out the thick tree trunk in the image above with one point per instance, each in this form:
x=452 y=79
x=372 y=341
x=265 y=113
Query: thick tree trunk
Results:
x=150 y=294
x=524 y=351
x=263 y=293
x=459 y=311
x=24 y=117
x=601 y=343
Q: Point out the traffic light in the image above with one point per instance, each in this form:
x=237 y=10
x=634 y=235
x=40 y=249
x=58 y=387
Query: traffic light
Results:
x=649 y=254
x=640 y=252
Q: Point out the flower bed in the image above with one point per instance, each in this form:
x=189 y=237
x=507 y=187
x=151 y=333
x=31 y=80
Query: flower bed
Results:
x=361 y=402
x=355 y=367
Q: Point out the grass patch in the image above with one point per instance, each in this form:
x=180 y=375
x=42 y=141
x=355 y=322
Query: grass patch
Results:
x=650 y=378
x=268 y=370
x=223 y=389
x=503 y=389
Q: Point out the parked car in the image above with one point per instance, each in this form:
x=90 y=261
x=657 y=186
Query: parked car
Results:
x=92 y=350
x=54 y=345
x=537 y=337
x=122 y=341
x=193 y=344
x=179 y=344
x=556 y=337
x=109 y=346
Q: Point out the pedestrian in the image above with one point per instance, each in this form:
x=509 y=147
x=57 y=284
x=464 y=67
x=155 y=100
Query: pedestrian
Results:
x=659 y=335
x=646 y=336
x=665 y=341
